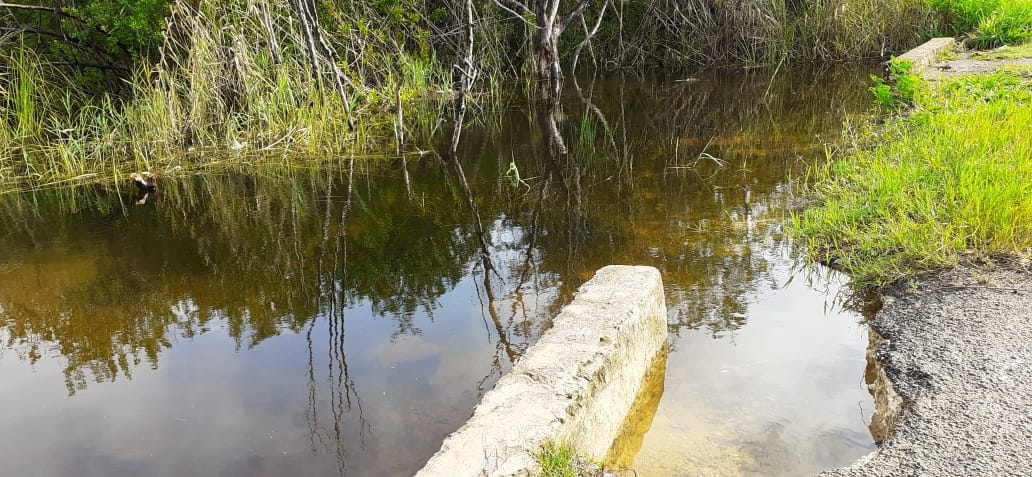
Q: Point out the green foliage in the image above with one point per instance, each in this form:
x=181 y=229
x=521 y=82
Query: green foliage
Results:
x=899 y=90
x=986 y=23
x=132 y=25
x=953 y=177
x=220 y=86
x=962 y=16
x=1009 y=24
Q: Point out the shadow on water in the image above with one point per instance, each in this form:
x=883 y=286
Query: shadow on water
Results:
x=343 y=320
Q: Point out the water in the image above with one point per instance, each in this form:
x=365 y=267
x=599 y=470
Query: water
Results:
x=342 y=321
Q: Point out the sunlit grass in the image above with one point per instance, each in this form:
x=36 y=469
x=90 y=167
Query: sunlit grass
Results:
x=986 y=23
x=954 y=176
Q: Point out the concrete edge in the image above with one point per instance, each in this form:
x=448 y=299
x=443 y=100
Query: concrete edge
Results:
x=927 y=53
x=575 y=385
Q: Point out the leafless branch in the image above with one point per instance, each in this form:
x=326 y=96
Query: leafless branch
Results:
x=588 y=36
x=576 y=12
x=515 y=13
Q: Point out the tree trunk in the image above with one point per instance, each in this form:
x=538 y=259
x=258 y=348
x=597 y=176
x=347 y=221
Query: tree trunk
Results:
x=546 y=44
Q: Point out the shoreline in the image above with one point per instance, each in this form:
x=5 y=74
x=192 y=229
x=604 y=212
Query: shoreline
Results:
x=950 y=362
x=958 y=351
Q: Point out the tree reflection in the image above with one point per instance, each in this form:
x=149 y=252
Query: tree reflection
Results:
x=690 y=177
x=614 y=171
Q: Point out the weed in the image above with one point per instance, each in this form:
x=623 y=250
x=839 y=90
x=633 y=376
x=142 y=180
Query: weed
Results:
x=1009 y=24
x=556 y=460
x=899 y=90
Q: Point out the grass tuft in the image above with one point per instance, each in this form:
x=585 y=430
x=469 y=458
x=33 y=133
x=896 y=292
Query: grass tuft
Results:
x=556 y=460
x=952 y=177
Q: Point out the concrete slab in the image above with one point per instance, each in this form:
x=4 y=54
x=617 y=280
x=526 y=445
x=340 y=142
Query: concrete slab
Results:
x=925 y=55
x=576 y=384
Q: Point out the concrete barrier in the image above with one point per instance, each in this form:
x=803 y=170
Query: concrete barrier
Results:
x=927 y=53
x=575 y=385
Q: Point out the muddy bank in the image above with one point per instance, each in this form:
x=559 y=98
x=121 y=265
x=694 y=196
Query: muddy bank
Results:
x=958 y=350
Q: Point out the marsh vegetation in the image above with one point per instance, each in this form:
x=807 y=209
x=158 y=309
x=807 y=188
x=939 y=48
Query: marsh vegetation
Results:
x=90 y=93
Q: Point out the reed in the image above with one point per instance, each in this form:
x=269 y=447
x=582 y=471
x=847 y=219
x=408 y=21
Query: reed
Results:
x=233 y=79
x=949 y=180
x=679 y=33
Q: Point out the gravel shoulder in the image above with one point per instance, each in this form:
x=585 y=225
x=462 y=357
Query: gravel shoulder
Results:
x=966 y=64
x=958 y=350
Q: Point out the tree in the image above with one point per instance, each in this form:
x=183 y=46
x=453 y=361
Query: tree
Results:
x=548 y=26
x=101 y=30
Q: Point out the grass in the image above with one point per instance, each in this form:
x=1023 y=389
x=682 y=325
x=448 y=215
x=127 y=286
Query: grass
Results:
x=219 y=91
x=556 y=460
x=561 y=460
x=951 y=178
x=986 y=23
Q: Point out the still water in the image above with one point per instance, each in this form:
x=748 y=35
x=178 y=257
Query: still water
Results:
x=343 y=320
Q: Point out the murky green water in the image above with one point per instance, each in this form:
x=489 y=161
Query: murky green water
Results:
x=344 y=321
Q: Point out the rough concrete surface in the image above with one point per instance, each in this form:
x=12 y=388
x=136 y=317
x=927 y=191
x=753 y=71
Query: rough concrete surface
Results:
x=958 y=351
x=576 y=384
x=923 y=56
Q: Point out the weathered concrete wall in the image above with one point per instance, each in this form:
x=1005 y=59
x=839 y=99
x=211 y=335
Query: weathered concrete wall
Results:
x=575 y=385
x=923 y=56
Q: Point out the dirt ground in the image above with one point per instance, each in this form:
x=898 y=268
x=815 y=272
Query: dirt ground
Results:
x=958 y=350
x=968 y=62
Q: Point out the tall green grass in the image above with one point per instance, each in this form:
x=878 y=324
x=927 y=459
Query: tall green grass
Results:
x=232 y=80
x=952 y=177
x=986 y=23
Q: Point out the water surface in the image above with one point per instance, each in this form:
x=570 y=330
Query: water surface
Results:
x=342 y=321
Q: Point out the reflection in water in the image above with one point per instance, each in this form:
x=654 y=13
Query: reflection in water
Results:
x=887 y=403
x=344 y=320
x=628 y=440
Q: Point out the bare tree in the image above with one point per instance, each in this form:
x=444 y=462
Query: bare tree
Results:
x=548 y=26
